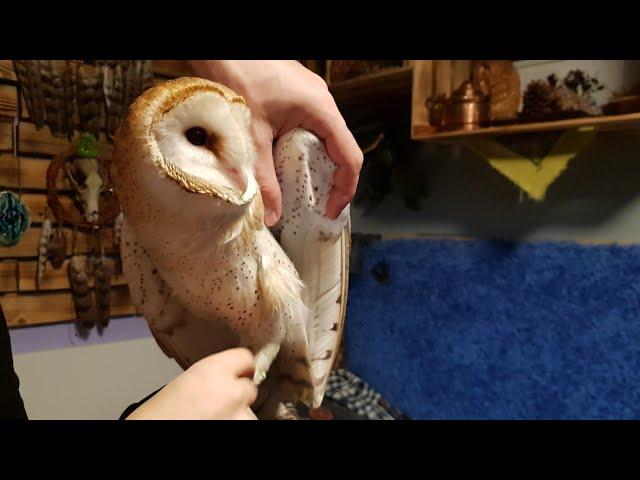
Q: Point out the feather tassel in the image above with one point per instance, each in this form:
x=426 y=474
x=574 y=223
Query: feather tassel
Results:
x=28 y=74
x=52 y=73
x=102 y=273
x=43 y=242
x=83 y=302
x=89 y=98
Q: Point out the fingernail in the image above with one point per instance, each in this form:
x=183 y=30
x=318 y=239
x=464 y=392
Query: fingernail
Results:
x=270 y=218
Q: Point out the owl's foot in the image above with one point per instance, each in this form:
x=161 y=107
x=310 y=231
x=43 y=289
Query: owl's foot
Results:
x=273 y=409
x=287 y=411
x=264 y=358
x=259 y=377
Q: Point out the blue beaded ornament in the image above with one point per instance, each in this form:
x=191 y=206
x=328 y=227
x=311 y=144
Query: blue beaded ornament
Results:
x=15 y=219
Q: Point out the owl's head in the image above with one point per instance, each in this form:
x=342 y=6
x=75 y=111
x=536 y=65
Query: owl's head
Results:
x=185 y=150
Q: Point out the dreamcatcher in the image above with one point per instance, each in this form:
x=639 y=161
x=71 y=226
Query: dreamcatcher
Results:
x=80 y=100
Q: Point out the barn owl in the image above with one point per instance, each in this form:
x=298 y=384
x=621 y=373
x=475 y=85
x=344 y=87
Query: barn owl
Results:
x=203 y=268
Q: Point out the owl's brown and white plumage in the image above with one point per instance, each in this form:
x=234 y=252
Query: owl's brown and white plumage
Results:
x=201 y=265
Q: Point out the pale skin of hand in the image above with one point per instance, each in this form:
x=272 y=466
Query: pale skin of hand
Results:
x=218 y=387
x=283 y=95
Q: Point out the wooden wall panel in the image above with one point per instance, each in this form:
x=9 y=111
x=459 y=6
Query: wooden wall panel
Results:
x=45 y=308
x=42 y=142
x=6 y=136
x=55 y=279
x=22 y=303
x=6 y=70
x=8 y=101
x=28 y=245
x=33 y=173
x=8 y=276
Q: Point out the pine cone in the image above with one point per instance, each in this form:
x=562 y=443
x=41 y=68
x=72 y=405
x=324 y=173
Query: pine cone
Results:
x=570 y=101
x=539 y=101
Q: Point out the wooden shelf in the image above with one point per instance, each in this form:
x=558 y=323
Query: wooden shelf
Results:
x=608 y=122
x=437 y=77
x=373 y=88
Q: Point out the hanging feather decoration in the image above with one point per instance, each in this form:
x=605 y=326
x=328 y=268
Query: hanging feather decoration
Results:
x=86 y=314
x=113 y=89
x=147 y=75
x=52 y=73
x=28 y=75
x=43 y=242
x=89 y=97
x=122 y=83
x=69 y=82
x=102 y=272
x=130 y=83
x=117 y=229
x=14 y=219
x=57 y=248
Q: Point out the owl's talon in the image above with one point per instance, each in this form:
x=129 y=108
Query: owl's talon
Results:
x=264 y=359
x=258 y=377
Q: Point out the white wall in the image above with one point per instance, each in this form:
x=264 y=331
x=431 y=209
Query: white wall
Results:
x=91 y=382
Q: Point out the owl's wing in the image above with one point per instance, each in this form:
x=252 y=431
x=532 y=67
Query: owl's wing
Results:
x=180 y=334
x=318 y=247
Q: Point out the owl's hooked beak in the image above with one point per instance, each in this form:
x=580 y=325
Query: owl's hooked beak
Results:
x=229 y=195
x=249 y=193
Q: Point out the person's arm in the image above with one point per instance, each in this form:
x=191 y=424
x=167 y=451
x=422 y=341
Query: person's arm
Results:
x=11 y=404
x=283 y=95
x=218 y=387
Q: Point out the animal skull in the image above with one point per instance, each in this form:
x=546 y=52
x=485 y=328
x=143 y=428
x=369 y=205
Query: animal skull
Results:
x=84 y=174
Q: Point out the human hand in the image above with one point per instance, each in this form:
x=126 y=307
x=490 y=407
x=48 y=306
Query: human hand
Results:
x=283 y=95
x=218 y=387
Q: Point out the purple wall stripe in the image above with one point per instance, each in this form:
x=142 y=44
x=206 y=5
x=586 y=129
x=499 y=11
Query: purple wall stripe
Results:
x=64 y=335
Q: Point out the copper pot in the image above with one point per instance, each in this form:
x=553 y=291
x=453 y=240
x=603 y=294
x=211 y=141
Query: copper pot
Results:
x=466 y=109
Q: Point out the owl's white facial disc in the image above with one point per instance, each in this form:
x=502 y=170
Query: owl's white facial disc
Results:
x=205 y=140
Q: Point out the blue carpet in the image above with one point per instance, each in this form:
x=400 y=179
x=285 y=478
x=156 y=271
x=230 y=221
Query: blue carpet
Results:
x=496 y=330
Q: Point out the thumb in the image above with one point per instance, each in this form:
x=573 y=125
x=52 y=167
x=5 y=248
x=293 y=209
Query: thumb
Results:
x=266 y=175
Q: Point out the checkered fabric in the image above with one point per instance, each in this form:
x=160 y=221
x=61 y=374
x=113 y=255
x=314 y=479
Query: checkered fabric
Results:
x=354 y=394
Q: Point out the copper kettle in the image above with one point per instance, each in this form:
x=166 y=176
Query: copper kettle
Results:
x=467 y=108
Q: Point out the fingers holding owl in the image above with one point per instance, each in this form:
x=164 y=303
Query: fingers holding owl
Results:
x=283 y=95
x=218 y=387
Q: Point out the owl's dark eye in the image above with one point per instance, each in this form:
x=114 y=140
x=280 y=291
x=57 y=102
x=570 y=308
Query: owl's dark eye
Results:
x=197 y=136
